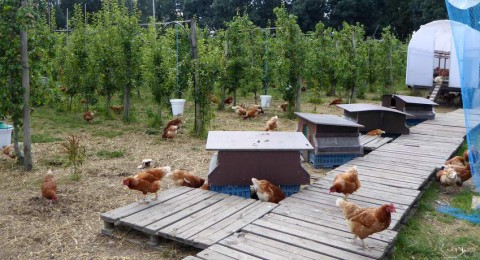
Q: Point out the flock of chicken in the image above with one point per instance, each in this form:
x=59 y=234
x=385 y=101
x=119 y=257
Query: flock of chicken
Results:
x=455 y=171
x=362 y=222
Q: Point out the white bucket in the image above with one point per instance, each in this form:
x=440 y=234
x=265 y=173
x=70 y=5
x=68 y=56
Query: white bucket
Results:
x=177 y=106
x=6 y=136
x=265 y=100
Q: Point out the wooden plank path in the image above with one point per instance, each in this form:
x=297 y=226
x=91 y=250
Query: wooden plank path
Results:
x=371 y=143
x=308 y=225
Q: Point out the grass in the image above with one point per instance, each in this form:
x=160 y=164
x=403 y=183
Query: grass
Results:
x=109 y=154
x=107 y=134
x=44 y=138
x=433 y=235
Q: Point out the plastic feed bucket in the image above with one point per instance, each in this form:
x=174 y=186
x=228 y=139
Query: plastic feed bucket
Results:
x=5 y=134
x=265 y=100
x=177 y=106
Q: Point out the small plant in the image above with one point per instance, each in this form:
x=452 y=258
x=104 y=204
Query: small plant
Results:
x=76 y=154
x=109 y=154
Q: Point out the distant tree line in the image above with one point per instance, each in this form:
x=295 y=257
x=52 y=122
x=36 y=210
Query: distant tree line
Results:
x=403 y=17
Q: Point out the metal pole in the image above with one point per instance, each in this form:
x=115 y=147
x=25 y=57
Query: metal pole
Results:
x=154 y=17
x=85 y=14
x=265 y=78
x=176 y=49
x=67 y=26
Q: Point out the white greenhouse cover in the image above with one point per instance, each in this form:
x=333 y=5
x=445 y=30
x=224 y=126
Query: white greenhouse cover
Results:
x=434 y=36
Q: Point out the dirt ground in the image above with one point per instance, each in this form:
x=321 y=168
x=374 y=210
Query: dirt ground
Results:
x=70 y=229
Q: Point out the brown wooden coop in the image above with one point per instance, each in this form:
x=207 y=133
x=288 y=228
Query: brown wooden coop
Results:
x=243 y=155
x=418 y=108
x=373 y=117
x=335 y=139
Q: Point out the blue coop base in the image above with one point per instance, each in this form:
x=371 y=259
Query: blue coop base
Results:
x=244 y=190
x=329 y=160
x=237 y=190
x=290 y=189
x=413 y=122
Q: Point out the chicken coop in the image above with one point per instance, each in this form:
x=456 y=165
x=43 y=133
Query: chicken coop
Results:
x=335 y=140
x=419 y=109
x=373 y=117
x=243 y=155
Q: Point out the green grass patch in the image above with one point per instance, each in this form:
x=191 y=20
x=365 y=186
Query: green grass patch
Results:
x=315 y=100
x=107 y=134
x=109 y=154
x=152 y=131
x=463 y=200
x=44 y=138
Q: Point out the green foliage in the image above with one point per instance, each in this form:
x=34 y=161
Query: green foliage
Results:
x=290 y=53
x=44 y=138
x=390 y=63
x=76 y=154
x=463 y=200
x=109 y=154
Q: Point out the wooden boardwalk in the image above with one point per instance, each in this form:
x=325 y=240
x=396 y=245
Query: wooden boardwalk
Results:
x=371 y=143
x=306 y=225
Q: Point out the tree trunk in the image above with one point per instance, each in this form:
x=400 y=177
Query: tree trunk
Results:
x=235 y=96
x=353 y=98
x=26 y=102
x=198 y=127
x=221 y=105
x=109 y=99
x=390 y=70
x=126 y=102
x=160 y=114
x=299 y=94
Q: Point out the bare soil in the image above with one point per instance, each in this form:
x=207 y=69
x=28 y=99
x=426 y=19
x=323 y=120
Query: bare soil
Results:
x=70 y=229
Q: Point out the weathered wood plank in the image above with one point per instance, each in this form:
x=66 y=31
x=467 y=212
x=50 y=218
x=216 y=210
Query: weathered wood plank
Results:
x=340 y=235
x=209 y=254
x=301 y=242
x=380 y=187
x=243 y=245
x=265 y=242
x=231 y=252
x=141 y=219
x=389 y=182
x=191 y=258
x=382 y=170
x=320 y=238
x=211 y=223
x=206 y=217
x=325 y=217
x=116 y=214
x=153 y=227
x=405 y=156
x=422 y=164
x=233 y=223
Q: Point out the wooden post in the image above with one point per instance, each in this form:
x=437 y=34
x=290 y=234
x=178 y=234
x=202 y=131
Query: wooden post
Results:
x=26 y=100
x=198 y=127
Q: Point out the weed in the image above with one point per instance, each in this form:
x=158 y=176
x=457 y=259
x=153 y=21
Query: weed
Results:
x=76 y=154
x=109 y=154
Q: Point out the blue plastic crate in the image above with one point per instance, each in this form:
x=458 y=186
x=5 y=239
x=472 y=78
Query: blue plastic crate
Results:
x=290 y=189
x=237 y=190
x=329 y=160
x=413 y=122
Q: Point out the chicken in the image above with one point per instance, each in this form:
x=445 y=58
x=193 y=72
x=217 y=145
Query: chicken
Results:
x=228 y=100
x=240 y=110
x=284 y=107
x=376 y=132
x=144 y=182
x=463 y=172
x=267 y=192
x=243 y=105
x=146 y=163
x=9 y=151
x=346 y=183
x=252 y=113
x=336 y=102
x=205 y=186
x=89 y=116
x=49 y=188
x=448 y=177
x=170 y=132
x=184 y=178
x=456 y=160
x=117 y=109
x=175 y=121
x=272 y=124
x=260 y=109
x=156 y=174
x=438 y=80
x=365 y=221
x=214 y=99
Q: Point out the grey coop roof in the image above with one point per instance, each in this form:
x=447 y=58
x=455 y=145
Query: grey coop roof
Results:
x=368 y=107
x=416 y=100
x=320 y=119
x=257 y=141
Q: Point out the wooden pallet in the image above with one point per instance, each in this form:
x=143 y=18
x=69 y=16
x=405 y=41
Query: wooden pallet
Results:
x=309 y=225
x=191 y=216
